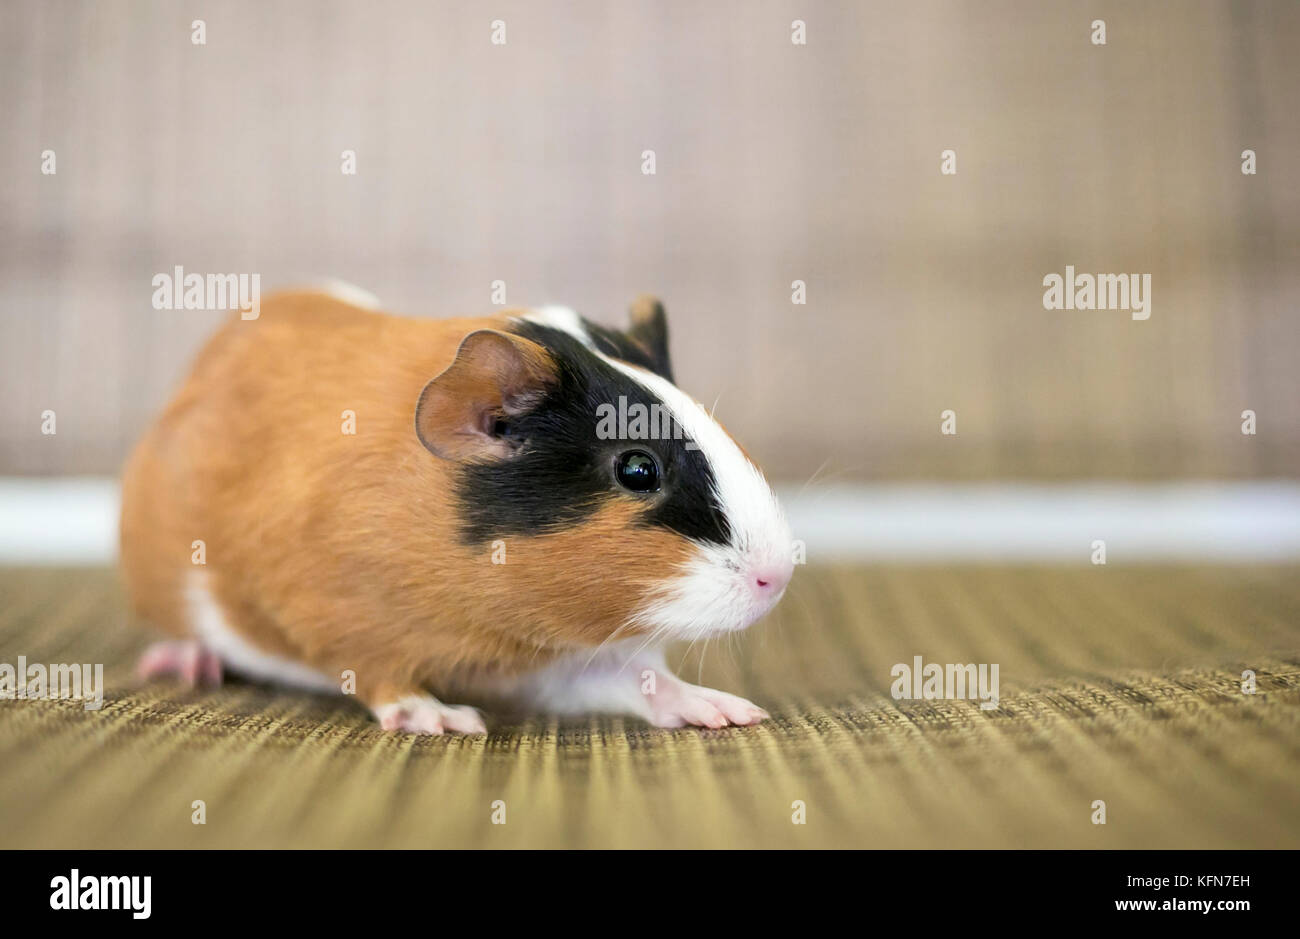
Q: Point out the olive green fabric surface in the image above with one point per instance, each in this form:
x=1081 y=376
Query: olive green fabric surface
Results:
x=1117 y=684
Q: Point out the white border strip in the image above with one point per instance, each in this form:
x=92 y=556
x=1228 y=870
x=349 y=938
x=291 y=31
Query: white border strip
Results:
x=74 y=521
x=60 y=520
x=1033 y=522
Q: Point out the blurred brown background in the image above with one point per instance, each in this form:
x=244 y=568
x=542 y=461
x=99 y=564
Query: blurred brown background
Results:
x=775 y=162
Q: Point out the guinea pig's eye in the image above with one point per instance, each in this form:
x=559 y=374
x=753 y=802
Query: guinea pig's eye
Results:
x=637 y=470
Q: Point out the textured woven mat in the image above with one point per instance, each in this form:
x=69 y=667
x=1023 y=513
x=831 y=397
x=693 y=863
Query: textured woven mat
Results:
x=1118 y=684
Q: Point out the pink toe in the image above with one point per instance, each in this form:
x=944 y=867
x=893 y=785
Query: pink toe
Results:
x=189 y=665
x=211 y=669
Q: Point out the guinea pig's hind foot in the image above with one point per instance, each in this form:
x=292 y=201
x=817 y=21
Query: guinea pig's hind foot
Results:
x=423 y=714
x=185 y=659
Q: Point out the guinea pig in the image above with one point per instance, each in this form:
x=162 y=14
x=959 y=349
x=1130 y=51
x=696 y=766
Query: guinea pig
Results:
x=351 y=501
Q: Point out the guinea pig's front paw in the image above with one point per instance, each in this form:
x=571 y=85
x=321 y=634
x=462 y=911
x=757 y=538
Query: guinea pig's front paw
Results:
x=423 y=714
x=682 y=704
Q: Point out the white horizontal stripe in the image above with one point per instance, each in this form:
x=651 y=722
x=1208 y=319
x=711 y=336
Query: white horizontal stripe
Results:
x=1195 y=521
x=59 y=520
x=74 y=521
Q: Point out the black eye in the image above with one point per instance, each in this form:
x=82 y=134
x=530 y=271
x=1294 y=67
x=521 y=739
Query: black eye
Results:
x=637 y=470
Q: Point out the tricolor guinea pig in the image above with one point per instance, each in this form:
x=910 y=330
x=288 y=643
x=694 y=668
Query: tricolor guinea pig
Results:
x=347 y=500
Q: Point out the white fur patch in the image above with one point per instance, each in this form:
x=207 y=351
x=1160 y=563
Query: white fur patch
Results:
x=209 y=624
x=350 y=294
x=625 y=678
x=562 y=318
x=606 y=680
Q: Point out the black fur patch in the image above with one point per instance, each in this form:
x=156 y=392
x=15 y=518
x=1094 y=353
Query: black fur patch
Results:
x=563 y=471
x=622 y=346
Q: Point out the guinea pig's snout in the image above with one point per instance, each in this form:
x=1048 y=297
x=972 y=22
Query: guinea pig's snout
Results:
x=769 y=580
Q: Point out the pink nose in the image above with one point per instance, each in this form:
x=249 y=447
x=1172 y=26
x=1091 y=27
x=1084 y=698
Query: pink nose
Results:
x=770 y=580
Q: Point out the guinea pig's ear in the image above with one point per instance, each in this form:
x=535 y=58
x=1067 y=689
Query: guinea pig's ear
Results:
x=464 y=413
x=648 y=328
